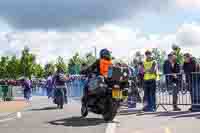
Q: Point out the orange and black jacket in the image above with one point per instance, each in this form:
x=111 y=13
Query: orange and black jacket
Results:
x=100 y=67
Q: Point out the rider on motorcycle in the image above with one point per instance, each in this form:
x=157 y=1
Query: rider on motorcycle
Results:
x=100 y=67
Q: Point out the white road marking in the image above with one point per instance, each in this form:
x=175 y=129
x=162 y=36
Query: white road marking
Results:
x=167 y=130
x=137 y=132
x=7 y=119
x=19 y=115
x=111 y=127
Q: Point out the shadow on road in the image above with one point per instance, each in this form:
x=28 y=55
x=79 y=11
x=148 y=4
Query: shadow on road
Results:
x=196 y=115
x=164 y=114
x=173 y=114
x=78 y=122
x=128 y=112
x=44 y=109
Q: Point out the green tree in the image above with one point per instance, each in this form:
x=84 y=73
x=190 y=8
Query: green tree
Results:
x=3 y=67
x=39 y=71
x=27 y=63
x=74 y=64
x=61 y=64
x=159 y=56
x=179 y=55
x=88 y=59
x=49 y=69
x=13 y=68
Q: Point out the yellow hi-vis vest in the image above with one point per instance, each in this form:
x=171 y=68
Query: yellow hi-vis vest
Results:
x=148 y=75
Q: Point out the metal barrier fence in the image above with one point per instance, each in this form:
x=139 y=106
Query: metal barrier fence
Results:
x=1 y=93
x=18 y=91
x=74 y=88
x=75 y=85
x=6 y=93
x=178 y=89
x=172 y=89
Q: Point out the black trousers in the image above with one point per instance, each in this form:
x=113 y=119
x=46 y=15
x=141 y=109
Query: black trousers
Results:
x=61 y=91
x=150 y=94
x=174 y=85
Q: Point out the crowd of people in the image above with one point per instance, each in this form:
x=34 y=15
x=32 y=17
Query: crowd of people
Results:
x=146 y=71
x=174 y=68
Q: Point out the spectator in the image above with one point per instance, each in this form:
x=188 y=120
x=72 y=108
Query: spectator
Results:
x=149 y=83
x=140 y=74
x=134 y=88
x=5 y=90
x=189 y=67
x=177 y=51
x=49 y=86
x=58 y=81
x=27 y=88
x=171 y=69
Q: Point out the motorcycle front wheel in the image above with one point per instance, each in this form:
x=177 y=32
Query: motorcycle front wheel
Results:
x=110 y=109
x=84 y=108
x=84 y=111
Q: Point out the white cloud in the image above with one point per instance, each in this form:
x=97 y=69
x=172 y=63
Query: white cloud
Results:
x=121 y=40
x=188 y=34
x=191 y=4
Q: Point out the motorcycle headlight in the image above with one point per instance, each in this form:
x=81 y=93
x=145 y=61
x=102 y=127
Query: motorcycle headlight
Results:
x=125 y=74
x=116 y=86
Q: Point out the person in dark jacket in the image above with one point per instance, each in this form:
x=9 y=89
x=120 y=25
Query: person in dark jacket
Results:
x=26 y=84
x=58 y=81
x=171 y=70
x=190 y=67
x=141 y=74
x=99 y=67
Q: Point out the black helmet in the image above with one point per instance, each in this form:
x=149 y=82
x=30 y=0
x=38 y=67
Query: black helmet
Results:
x=105 y=53
x=148 y=52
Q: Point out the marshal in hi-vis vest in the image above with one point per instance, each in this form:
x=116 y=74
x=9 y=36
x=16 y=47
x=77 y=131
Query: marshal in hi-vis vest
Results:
x=104 y=66
x=148 y=75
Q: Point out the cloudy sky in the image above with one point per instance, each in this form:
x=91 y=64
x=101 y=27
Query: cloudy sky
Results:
x=54 y=28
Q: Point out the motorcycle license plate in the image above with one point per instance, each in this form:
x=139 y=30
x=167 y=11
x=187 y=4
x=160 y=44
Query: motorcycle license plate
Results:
x=116 y=93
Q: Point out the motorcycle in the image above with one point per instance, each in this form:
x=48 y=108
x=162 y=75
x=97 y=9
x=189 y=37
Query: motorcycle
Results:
x=103 y=96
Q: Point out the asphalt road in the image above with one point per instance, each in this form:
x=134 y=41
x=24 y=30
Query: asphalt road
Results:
x=159 y=122
x=43 y=117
